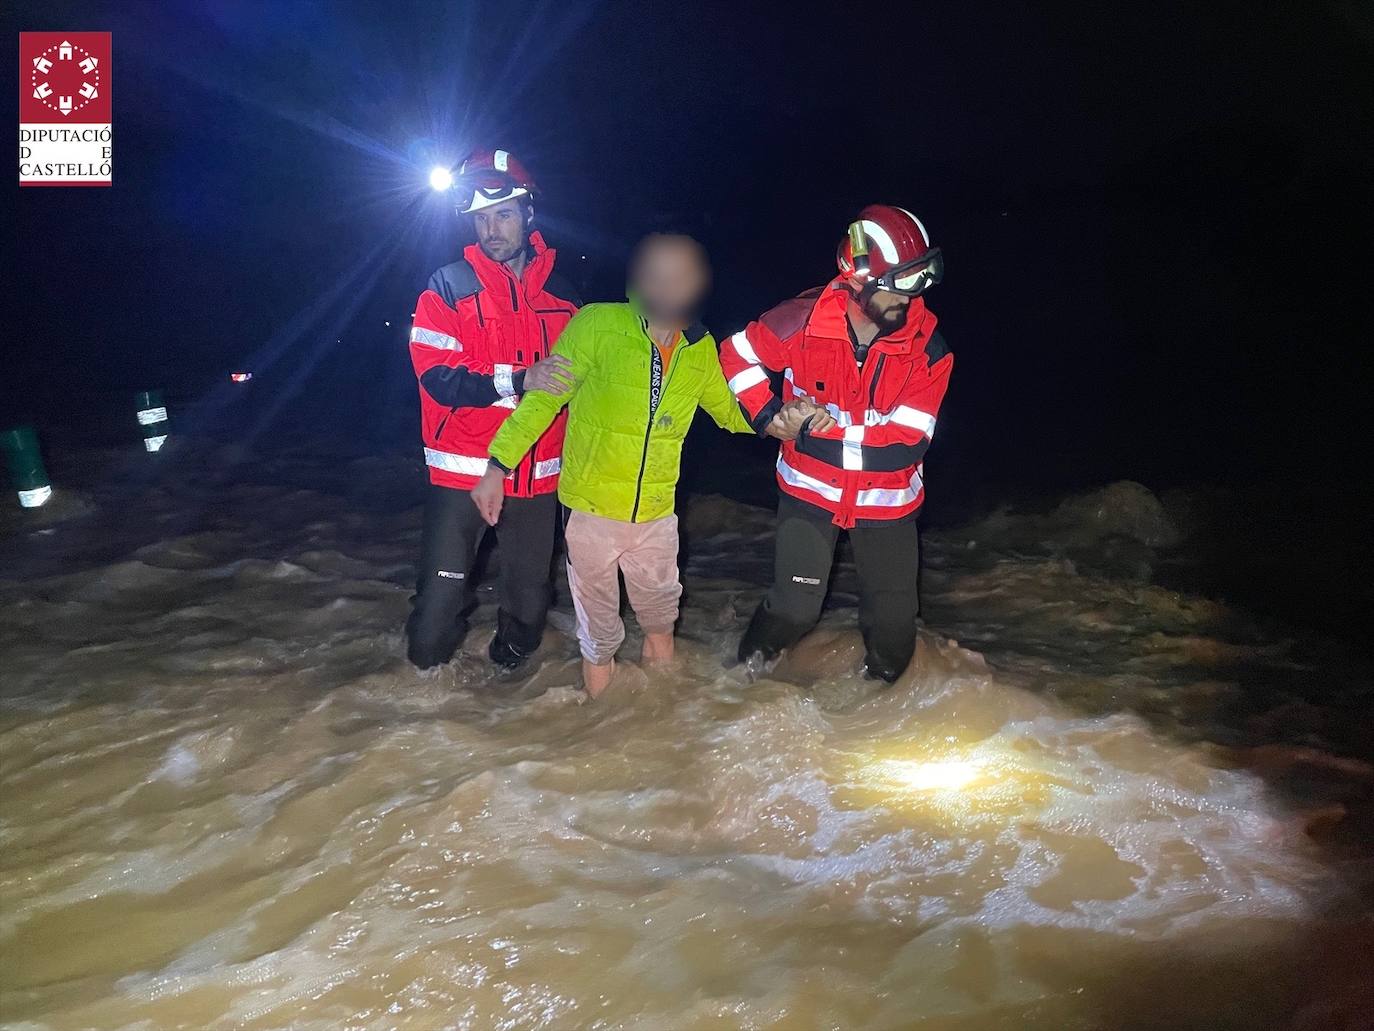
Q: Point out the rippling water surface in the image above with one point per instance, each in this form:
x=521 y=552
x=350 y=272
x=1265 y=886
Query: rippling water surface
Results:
x=227 y=801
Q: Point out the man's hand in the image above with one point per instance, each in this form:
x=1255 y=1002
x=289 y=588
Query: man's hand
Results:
x=787 y=424
x=821 y=420
x=553 y=375
x=489 y=494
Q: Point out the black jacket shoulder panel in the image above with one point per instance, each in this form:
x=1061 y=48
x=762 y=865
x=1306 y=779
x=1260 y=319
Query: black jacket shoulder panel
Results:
x=454 y=282
x=790 y=316
x=560 y=286
x=936 y=348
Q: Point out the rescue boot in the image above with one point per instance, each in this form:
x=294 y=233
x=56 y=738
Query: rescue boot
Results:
x=433 y=635
x=763 y=642
x=886 y=670
x=513 y=643
x=871 y=672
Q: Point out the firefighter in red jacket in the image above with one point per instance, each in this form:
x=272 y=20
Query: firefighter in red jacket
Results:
x=483 y=330
x=865 y=348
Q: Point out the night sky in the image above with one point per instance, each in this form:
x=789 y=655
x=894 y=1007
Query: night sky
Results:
x=1155 y=217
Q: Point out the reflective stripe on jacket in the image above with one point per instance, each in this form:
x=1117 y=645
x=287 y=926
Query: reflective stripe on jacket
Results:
x=476 y=330
x=870 y=465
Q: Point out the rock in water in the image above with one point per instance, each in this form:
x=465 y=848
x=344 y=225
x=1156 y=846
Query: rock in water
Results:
x=1123 y=509
x=826 y=652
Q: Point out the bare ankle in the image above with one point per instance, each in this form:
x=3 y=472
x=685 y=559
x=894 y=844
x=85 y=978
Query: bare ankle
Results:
x=596 y=677
x=659 y=648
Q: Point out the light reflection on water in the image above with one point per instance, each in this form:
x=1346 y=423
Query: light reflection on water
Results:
x=932 y=775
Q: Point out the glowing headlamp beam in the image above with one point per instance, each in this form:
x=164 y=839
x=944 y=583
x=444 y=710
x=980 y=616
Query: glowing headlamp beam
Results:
x=440 y=178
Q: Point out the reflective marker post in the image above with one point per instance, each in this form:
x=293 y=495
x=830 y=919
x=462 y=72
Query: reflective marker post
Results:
x=152 y=416
x=26 y=466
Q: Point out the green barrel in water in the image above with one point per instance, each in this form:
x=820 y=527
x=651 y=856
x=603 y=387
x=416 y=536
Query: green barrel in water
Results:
x=26 y=466
x=152 y=417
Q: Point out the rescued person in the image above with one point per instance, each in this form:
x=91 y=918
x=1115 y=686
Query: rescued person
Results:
x=640 y=370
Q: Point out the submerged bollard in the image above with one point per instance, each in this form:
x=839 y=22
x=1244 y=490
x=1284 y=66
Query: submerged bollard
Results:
x=26 y=466
x=152 y=416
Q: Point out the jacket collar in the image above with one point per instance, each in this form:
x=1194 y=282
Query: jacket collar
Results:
x=494 y=273
x=829 y=318
x=690 y=335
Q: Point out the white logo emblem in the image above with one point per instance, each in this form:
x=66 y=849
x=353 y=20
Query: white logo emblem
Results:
x=65 y=99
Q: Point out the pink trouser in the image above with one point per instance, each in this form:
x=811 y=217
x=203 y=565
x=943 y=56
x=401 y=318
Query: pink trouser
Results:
x=646 y=553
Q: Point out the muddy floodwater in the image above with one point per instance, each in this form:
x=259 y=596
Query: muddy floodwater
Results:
x=1094 y=801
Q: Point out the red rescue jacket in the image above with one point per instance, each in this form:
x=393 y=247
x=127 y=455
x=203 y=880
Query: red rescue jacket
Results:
x=870 y=465
x=477 y=329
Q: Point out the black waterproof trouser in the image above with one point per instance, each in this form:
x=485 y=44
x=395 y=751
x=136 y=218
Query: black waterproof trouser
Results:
x=453 y=530
x=886 y=557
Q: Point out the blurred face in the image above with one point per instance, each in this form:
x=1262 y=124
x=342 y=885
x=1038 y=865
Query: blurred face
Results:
x=669 y=276
x=502 y=230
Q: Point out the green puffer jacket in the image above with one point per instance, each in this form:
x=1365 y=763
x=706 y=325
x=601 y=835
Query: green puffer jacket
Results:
x=618 y=463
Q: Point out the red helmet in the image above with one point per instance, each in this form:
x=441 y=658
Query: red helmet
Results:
x=889 y=248
x=488 y=177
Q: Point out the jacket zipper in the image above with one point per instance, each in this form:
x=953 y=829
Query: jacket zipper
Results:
x=529 y=478
x=662 y=393
x=529 y=459
x=438 y=433
x=648 y=428
x=873 y=383
x=544 y=335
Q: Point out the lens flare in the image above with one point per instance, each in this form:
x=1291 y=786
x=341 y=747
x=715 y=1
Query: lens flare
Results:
x=440 y=178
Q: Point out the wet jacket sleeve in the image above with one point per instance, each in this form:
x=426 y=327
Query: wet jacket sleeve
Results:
x=747 y=359
x=537 y=409
x=902 y=435
x=720 y=403
x=448 y=370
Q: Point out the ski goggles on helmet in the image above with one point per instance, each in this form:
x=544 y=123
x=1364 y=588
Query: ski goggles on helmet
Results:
x=913 y=277
x=480 y=189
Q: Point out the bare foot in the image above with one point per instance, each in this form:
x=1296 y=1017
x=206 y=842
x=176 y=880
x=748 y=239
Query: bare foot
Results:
x=596 y=678
x=658 y=648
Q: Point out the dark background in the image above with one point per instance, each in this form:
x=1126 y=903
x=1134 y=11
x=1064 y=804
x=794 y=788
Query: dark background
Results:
x=1155 y=219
